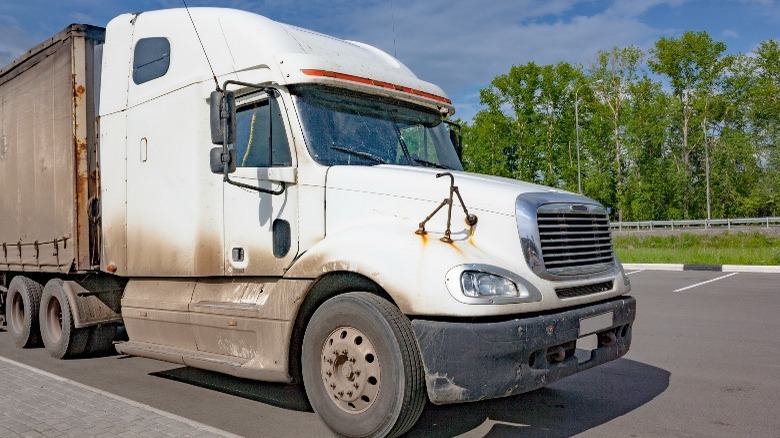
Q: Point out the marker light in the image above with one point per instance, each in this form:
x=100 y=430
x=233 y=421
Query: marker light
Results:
x=367 y=81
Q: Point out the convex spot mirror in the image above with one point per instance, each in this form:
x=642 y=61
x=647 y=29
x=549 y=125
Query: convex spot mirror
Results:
x=218 y=163
x=223 y=117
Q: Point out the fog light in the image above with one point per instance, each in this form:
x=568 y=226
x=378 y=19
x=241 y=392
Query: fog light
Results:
x=480 y=284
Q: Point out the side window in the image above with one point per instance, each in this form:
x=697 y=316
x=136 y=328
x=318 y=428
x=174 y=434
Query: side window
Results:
x=260 y=137
x=151 y=59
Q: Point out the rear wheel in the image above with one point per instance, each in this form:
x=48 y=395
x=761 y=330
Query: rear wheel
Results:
x=361 y=367
x=21 y=311
x=59 y=335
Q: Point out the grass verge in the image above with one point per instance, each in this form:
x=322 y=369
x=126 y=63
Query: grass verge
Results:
x=702 y=249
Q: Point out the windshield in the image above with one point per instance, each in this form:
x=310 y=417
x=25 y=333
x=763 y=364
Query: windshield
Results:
x=344 y=127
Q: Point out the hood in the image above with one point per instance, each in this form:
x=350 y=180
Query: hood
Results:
x=480 y=192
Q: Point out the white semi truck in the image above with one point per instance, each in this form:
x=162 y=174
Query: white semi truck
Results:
x=257 y=199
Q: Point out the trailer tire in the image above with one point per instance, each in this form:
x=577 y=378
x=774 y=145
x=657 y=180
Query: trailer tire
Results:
x=60 y=337
x=21 y=311
x=361 y=367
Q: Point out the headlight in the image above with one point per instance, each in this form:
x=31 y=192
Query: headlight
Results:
x=480 y=284
x=477 y=283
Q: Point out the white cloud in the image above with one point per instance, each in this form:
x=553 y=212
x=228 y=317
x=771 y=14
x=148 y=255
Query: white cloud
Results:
x=758 y=2
x=80 y=17
x=635 y=8
x=457 y=45
x=13 y=41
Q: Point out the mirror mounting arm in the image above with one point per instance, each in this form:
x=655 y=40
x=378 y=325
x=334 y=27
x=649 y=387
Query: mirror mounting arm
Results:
x=227 y=113
x=279 y=191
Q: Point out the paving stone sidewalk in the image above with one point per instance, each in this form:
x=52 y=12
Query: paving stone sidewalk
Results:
x=35 y=403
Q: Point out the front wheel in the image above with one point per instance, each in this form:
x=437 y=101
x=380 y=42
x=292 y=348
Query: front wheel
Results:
x=361 y=367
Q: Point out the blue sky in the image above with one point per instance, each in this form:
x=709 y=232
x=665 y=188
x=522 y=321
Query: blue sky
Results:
x=459 y=44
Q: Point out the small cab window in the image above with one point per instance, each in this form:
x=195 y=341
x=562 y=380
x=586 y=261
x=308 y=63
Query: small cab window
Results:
x=261 y=140
x=151 y=59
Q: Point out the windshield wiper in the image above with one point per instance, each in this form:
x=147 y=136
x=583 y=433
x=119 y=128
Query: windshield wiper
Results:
x=362 y=154
x=401 y=140
x=427 y=163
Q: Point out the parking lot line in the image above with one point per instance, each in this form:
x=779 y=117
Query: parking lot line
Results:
x=635 y=272
x=705 y=282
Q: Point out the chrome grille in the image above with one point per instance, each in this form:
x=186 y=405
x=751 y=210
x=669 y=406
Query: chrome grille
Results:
x=574 y=238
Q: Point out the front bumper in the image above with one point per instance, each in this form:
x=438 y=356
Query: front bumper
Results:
x=475 y=361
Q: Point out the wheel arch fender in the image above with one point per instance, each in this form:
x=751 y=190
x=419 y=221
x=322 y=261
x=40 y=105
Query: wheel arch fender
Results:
x=403 y=264
x=324 y=288
x=88 y=308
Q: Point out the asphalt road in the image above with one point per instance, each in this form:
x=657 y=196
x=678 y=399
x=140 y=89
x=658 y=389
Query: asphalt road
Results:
x=703 y=363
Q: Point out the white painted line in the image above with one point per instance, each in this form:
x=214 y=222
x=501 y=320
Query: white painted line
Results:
x=754 y=268
x=759 y=269
x=635 y=272
x=654 y=266
x=706 y=282
x=195 y=424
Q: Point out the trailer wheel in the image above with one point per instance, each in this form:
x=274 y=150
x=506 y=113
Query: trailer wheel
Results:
x=361 y=367
x=21 y=311
x=60 y=337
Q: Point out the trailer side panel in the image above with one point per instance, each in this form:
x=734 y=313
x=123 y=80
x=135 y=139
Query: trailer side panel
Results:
x=45 y=154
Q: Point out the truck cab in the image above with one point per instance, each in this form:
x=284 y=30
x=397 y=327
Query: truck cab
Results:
x=282 y=205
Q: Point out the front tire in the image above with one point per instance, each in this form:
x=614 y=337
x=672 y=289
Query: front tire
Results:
x=362 y=368
x=60 y=337
x=21 y=311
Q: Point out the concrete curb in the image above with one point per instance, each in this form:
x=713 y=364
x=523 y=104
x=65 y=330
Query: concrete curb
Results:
x=714 y=268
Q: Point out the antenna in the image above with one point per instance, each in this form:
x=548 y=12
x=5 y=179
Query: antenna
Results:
x=392 y=20
x=201 y=46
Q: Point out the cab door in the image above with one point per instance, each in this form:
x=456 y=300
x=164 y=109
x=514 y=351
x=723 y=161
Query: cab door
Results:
x=261 y=229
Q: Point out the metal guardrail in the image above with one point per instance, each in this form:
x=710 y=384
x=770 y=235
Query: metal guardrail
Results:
x=766 y=222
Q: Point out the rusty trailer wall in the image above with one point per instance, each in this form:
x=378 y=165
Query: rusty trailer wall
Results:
x=49 y=215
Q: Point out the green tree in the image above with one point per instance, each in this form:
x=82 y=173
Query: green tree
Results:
x=526 y=127
x=647 y=124
x=692 y=64
x=557 y=124
x=613 y=73
x=645 y=152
